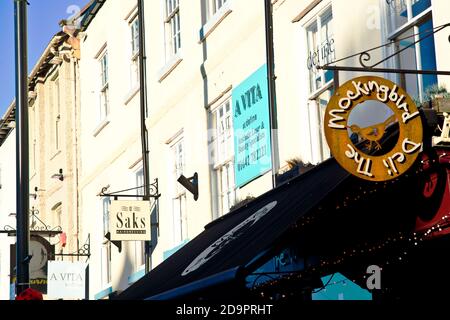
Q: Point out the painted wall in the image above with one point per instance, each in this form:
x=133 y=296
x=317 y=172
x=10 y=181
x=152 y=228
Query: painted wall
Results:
x=183 y=89
x=7 y=206
x=110 y=149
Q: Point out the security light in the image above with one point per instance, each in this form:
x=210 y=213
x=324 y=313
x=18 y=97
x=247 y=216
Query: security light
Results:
x=191 y=184
x=59 y=175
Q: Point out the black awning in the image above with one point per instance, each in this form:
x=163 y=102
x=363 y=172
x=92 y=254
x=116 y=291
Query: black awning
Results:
x=237 y=238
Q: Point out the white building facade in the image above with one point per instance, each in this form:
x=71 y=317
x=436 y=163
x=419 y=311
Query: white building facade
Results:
x=200 y=55
x=7 y=196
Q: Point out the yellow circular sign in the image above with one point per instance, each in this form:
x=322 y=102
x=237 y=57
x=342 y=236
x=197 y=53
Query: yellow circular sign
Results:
x=357 y=140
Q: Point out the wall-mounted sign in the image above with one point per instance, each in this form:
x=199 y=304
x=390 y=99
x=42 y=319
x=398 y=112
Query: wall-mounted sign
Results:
x=373 y=128
x=320 y=54
x=130 y=220
x=40 y=250
x=251 y=124
x=66 y=280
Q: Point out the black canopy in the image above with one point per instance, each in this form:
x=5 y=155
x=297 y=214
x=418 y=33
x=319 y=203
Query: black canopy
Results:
x=238 y=237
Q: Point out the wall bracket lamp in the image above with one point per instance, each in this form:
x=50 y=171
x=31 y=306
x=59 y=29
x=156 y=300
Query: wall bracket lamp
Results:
x=191 y=184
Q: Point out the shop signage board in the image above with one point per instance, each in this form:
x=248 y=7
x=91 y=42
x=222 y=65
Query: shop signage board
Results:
x=251 y=124
x=40 y=250
x=357 y=146
x=66 y=280
x=130 y=220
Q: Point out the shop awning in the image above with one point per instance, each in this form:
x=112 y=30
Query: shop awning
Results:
x=234 y=240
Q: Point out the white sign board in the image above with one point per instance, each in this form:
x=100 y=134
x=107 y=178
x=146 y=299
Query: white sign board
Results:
x=66 y=280
x=129 y=220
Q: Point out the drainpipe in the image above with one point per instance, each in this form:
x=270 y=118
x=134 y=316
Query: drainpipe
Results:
x=22 y=153
x=144 y=132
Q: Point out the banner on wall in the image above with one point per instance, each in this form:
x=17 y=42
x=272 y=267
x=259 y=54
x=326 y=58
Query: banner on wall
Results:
x=251 y=124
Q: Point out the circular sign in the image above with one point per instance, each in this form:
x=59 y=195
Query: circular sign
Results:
x=363 y=118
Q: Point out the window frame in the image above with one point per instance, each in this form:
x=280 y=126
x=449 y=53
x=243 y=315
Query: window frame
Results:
x=104 y=110
x=319 y=149
x=412 y=24
x=133 y=24
x=220 y=140
x=316 y=20
x=172 y=28
x=179 y=218
x=55 y=113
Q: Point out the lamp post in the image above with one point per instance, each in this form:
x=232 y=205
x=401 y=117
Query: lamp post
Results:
x=272 y=94
x=22 y=170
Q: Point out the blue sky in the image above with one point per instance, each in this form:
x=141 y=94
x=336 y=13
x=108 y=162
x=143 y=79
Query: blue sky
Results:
x=43 y=18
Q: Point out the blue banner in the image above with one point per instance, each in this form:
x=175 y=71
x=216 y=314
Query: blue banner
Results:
x=251 y=123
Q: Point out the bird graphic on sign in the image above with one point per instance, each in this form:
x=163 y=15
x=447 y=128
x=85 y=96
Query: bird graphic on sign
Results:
x=373 y=133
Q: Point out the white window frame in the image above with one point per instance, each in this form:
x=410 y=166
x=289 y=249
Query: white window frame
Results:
x=319 y=149
x=215 y=14
x=135 y=52
x=411 y=23
x=179 y=214
x=172 y=28
x=223 y=139
x=317 y=21
x=104 y=108
x=56 y=114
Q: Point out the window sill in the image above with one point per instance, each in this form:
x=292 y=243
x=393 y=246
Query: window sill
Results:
x=136 y=276
x=100 y=127
x=133 y=92
x=214 y=21
x=169 y=67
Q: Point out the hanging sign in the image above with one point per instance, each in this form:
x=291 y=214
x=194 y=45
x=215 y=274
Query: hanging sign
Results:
x=66 y=280
x=130 y=221
x=362 y=119
x=40 y=251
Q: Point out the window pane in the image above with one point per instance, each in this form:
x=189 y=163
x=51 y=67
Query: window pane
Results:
x=407 y=60
x=322 y=104
x=313 y=57
x=398 y=13
x=427 y=54
x=419 y=6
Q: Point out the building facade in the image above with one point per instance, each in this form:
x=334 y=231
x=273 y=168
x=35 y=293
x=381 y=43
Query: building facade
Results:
x=54 y=157
x=110 y=139
x=7 y=195
x=53 y=135
x=200 y=57
x=208 y=114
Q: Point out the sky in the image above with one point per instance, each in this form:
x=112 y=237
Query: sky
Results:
x=43 y=18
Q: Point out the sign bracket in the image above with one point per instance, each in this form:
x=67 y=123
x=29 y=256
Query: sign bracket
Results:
x=84 y=251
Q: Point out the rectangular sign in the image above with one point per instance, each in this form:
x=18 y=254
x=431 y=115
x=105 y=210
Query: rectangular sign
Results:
x=251 y=124
x=66 y=280
x=130 y=221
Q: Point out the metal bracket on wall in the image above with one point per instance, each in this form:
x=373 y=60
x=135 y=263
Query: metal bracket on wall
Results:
x=37 y=226
x=154 y=192
x=364 y=58
x=84 y=251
